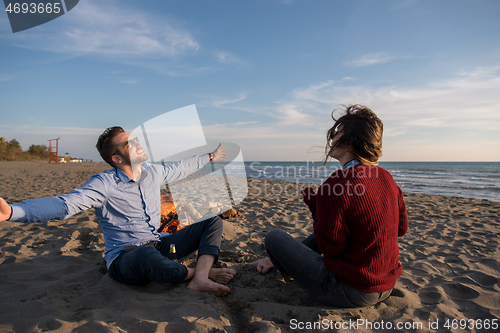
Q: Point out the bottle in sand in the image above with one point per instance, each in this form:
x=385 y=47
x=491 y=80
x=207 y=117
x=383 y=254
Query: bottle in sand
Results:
x=173 y=255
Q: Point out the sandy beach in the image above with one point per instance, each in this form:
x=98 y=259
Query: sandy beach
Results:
x=53 y=277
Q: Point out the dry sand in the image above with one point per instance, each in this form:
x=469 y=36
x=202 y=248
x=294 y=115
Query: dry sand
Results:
x=52 y=276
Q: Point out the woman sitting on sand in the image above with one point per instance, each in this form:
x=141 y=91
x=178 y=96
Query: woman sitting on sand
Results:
x=351 y=259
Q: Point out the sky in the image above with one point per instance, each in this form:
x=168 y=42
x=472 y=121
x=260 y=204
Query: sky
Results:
x=263 y=74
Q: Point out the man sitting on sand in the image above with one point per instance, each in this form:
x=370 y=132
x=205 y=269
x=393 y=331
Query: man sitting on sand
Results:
x=127 y=204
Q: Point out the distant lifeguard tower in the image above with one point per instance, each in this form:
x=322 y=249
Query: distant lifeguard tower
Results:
x=53 y=151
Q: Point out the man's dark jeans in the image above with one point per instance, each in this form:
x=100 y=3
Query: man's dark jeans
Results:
x=151 y=263
x=303 y=261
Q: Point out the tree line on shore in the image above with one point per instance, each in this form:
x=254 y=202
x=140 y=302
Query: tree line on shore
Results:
x=12 y=151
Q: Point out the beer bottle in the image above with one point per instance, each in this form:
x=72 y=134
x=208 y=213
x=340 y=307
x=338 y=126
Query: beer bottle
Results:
x=173 y=255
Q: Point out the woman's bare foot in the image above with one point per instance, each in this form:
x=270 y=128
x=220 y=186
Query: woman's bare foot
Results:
x=209 y=286
x=221 y=275
x=262 y=265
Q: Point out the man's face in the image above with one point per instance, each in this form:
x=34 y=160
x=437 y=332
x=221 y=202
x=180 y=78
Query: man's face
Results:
x=129 y=149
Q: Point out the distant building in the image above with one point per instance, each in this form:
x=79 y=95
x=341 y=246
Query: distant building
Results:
x=67 y=159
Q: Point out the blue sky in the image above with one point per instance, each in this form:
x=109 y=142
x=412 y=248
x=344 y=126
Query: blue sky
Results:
x=265 y=75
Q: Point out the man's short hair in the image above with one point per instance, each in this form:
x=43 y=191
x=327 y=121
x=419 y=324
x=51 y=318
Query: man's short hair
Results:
x=105 y=144
x=361 y=131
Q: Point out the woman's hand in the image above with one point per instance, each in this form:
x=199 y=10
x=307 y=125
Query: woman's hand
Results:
x=308 y=192
x=262 y=265
x=5 y=210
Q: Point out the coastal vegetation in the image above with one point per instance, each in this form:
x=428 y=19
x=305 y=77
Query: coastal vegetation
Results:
x=12 y=151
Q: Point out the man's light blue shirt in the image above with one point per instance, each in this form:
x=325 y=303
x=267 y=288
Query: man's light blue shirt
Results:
x=127 y=210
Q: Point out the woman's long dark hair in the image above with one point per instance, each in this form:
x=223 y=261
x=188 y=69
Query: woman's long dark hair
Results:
x=361 y=132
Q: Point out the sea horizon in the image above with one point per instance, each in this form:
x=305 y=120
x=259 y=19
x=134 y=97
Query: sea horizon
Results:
x=474 y=180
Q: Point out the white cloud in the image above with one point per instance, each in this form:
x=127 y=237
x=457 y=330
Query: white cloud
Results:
x=227 y=58
x=131 y=81
x=371 y=59
x=308 y=106
x=394 y=131
x=50 y=130
x=6 y=77
x=481 y=72
x=411 y=150
x=261 y=132
x=238 y=123
x=313 y=92
x=222 y=103
x=166 y=68
x=437 y=114
x=469 y=101
x=403 y=4
x=110 y=29
x=290 y=113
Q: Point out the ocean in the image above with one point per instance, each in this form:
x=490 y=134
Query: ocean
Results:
x=475 y=180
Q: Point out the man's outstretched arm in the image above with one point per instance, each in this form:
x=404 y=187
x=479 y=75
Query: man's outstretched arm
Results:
x=35 y=210
x=192 y=164
x=89 y=195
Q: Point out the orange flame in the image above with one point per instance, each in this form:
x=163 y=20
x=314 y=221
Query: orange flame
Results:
x=168 y=210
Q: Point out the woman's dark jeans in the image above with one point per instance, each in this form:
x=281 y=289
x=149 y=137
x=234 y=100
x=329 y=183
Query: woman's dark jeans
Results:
x=304 y=262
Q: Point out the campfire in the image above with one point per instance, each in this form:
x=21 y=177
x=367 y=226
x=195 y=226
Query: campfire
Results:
x=178 y=214
x=171 y=219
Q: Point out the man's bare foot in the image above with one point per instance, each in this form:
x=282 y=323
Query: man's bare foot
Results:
x=221 y=275
x=208 y=286
x=262 y=265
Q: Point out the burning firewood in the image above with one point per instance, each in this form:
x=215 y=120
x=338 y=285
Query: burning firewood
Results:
x=169 y=217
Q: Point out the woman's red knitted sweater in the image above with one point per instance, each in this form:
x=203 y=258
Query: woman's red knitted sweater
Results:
x=359 y=213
